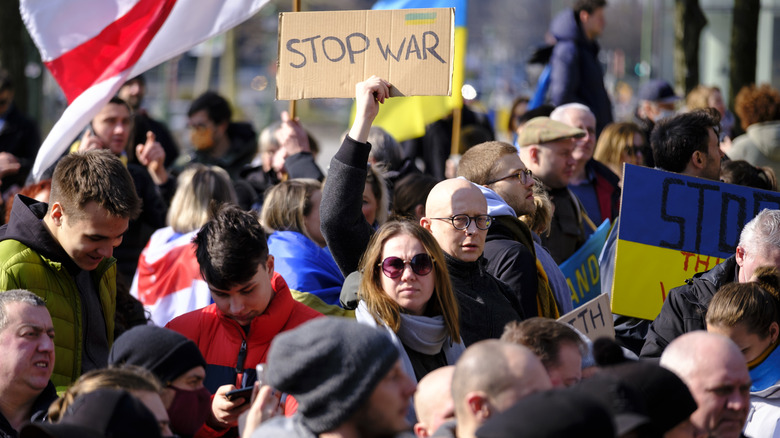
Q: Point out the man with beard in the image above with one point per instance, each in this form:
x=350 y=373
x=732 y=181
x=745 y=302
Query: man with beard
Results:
x=507 y=184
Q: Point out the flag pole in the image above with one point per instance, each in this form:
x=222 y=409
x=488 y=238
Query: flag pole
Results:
x=296 y=7
x=456 y=116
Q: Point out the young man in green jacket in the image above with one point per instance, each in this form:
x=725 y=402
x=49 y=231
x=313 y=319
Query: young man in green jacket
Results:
x=61 y=251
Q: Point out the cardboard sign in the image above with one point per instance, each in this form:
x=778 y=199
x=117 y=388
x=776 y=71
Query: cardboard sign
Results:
x=324 y=54
x=593 y=319
x=671 y=227
x=582 y=268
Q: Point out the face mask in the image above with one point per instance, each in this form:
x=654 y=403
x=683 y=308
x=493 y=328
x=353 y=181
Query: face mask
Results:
x=189 y=410
x=202 y=138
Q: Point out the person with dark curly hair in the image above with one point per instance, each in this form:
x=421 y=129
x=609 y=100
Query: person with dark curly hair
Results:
x=758 y=109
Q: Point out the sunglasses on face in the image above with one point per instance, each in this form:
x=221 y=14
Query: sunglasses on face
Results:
x=393 y=267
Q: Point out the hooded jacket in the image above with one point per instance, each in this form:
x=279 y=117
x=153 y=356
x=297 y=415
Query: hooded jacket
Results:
x=576 y=74
x=686 y=306
x=511 y=257
x=759 y=146
x=33 y=260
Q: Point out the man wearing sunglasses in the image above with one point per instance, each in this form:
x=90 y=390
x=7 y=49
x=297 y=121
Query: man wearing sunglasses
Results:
x=510 y=249
x=547 y=147
x=456 y=215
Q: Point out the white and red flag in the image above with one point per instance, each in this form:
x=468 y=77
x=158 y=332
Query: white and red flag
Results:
x=92 y=47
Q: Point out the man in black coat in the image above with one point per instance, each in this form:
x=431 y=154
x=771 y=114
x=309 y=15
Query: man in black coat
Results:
x=509 y=248
x=686 y=306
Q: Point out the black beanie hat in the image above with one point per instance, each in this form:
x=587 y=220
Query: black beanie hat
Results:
x=668 y=399
x=331 y=366
x=164 y=352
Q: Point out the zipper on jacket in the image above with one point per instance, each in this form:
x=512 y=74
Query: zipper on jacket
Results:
x=241 y=358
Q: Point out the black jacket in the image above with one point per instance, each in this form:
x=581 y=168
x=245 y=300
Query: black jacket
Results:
x=20 y=138
x=40 y=411
x=685 y=308
x=486 y=304
x=513 y=263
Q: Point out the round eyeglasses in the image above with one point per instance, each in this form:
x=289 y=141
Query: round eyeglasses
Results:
x=462 y=221
x=393 y=267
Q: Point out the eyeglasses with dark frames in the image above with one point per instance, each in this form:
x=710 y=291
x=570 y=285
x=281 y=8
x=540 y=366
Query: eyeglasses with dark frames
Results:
x=525 y=176
x=393 y=267
x=462 y=221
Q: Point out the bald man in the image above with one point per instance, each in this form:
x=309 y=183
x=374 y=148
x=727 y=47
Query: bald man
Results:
x=715 y=371
x=592 y=182
x=456 y=215
x=490 y=377
x=433 y=401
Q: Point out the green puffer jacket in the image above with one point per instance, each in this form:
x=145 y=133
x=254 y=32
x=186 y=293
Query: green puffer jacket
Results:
x=23 y=268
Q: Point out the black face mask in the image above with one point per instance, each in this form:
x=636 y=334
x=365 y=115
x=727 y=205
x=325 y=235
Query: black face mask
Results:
x=189 y=410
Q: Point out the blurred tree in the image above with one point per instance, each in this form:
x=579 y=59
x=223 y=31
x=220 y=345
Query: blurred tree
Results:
x=12 y=50
x=744 y=47
x=689 y=22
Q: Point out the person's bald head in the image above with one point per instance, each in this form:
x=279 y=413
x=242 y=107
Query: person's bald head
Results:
x=715 y=371
x=449 y=198
x=433 y=401
x=490 y=377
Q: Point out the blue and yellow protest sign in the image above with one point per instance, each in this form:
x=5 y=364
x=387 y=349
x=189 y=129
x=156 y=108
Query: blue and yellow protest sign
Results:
x=582 y=268
x=672 y=226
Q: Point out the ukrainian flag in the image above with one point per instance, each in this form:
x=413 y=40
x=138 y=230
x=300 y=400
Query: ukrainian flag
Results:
x=406 y=117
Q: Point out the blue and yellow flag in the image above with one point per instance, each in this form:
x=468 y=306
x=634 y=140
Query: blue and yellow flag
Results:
x=406 y=117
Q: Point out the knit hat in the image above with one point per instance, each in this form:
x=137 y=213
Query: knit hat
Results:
x=100 y=413
x=540 y=130
x=331 y=366
x=164 y=352
x=624 y=402
x=551 y=414
x=669 y=401
x=658 y=90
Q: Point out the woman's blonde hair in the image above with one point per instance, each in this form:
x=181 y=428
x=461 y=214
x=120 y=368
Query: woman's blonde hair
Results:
x=383 y=308
x=755 y=304
x=539 y=221
x=127 y=377
x=287 y=204
x=198 y=187
x=613 y=140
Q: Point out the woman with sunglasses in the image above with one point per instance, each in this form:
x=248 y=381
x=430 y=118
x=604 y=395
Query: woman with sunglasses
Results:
x=405 y=287
x=620 y=143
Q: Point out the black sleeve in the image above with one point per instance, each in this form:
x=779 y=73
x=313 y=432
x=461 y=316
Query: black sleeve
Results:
x=343 y=225
x=669 y=324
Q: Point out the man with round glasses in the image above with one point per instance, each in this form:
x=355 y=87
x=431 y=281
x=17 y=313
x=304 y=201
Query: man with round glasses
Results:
x=456 y=215
x=496 y=168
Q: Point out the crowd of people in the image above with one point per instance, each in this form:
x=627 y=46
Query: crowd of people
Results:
x=230 y=289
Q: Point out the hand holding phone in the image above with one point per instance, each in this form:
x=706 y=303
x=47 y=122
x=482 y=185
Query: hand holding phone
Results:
x=240 y=393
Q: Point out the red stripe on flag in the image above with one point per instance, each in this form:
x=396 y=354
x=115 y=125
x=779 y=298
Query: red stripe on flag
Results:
x=112 y=51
